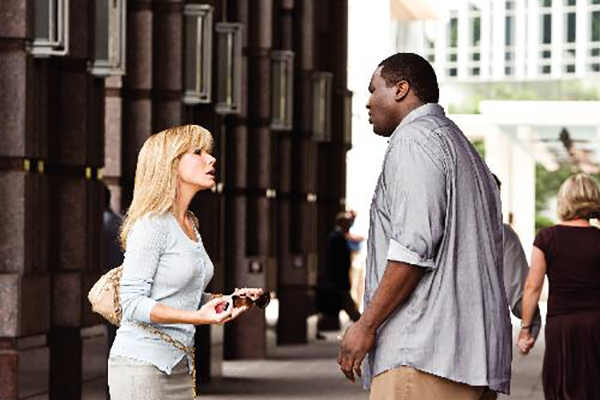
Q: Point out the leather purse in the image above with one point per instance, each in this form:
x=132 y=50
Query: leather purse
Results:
x=104 y=296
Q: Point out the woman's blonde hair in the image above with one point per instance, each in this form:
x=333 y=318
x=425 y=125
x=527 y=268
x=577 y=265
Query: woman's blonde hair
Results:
x=156 y=172
x=578 y=197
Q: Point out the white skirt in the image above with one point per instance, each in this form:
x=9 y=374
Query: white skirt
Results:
x=130 y=379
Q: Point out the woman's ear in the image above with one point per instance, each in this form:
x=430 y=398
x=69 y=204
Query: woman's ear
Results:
x=402 y=89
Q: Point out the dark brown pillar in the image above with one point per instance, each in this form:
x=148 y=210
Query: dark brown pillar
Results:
x=333 y=57
x=296 y=274
x=75 y=154
x=167 y=71
x=137 y=86
x=246 y=337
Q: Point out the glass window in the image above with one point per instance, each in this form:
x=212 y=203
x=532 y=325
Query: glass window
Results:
x=453 y=32
x=475 y=31
x=595 y=27
x=570 y=28
x=545 y=3
x=570 y=2
x=509 y=32
x=452 y=55
x=546 y=28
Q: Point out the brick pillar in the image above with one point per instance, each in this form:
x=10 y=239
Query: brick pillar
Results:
x=75 y=111
x=24 y=280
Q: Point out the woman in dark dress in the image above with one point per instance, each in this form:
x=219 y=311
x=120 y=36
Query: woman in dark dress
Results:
x=569 y=253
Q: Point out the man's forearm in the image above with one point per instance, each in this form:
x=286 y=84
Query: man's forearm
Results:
x=398 y=283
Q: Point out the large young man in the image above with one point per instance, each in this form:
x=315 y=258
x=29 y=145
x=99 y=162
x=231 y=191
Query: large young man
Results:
x=436 y=322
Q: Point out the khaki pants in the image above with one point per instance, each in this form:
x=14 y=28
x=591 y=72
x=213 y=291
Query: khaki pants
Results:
x=406 y=383
x=136 y=380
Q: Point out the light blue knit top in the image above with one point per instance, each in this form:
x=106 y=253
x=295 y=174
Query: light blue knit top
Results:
x=162 y=265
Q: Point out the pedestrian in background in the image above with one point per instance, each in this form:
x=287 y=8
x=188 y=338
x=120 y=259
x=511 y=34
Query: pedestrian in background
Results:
x=515 y=270
x=569 y=254
x=335 y=291
x=436 y=323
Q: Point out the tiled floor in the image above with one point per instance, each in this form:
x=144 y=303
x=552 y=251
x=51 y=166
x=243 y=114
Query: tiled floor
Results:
x=311 y=372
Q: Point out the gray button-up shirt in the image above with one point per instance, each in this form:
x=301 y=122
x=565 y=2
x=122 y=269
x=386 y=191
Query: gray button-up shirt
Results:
x=436 y=206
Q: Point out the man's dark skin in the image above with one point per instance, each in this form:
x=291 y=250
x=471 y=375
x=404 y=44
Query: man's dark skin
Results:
x=388 y=106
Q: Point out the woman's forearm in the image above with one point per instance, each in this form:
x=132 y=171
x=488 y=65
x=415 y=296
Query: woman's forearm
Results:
x=162 y=314
x=531 y=296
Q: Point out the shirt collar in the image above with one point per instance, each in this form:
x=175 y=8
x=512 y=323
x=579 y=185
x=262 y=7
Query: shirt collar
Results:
x=421 y=111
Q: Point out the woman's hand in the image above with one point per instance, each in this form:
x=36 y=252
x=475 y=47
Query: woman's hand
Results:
x=217 y=311
x=525 y=342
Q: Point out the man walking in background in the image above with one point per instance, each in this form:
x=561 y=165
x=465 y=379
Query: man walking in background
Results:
x=436 y=322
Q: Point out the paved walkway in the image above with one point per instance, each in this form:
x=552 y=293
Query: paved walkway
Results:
x=311 y=372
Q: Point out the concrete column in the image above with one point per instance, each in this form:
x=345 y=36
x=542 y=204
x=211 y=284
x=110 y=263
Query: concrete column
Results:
x=533 y=40
x=463 y=40
x=515 y=167
x=522 y=190
x=582 y=37
x=486 y=40
x=557 y=38
x=498 y=13
x=520 y=39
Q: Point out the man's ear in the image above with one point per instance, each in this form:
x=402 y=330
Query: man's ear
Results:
x=402 y=89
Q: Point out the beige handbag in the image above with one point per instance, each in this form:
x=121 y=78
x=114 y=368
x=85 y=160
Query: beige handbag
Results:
x=104 y=296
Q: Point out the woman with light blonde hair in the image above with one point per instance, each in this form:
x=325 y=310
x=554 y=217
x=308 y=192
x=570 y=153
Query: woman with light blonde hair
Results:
x=569 y=253
x=166 y=271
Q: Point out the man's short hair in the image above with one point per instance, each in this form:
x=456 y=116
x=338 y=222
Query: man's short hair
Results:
x=415 y=70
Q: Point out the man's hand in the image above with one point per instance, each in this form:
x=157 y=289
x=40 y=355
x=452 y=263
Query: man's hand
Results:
x=525 y=342
x=357 y=341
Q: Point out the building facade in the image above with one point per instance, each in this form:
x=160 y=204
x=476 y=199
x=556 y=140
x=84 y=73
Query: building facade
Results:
x=83 y=84
x=523 y=77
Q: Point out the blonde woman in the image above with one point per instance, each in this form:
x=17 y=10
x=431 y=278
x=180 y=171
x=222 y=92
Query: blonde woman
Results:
x=569 y=253
x=166 y=270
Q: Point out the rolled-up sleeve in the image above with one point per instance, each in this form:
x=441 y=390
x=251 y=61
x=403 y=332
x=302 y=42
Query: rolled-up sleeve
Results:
x=145 y=244
x=416 y=199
